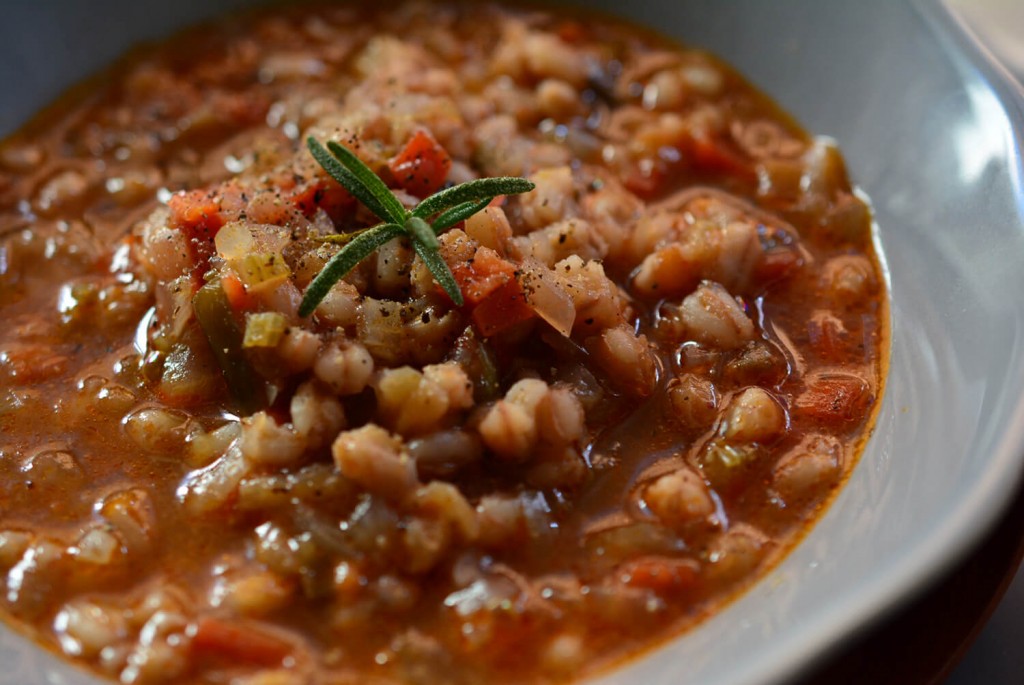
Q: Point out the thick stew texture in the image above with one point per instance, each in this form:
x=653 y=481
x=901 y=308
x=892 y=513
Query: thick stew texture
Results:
x=665 y=361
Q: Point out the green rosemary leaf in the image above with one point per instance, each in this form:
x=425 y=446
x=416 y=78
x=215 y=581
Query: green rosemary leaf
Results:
x=347 y=258
x=439 y=268
x=471 y=191
x=450 y=217
x=349 y=181
x=421 y=231
x=372 y=182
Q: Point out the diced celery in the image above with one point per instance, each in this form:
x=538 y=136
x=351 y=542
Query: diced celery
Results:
x=262 y=270
x=218 y=323
x=264 y=329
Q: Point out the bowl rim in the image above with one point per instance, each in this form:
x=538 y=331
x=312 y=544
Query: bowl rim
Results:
x=974 y=514
x=978 y=511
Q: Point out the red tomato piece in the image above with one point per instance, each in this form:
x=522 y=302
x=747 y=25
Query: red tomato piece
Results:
x=482 y=275
x=502 y=309
x=325 y=195
x=422 y=166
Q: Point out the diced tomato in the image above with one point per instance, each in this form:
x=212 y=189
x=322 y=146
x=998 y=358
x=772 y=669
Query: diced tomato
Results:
x=422 y=166
x=325 y=195
x=490 y=289
x=482 y=275
x=502 y=309
x=336 y=201
x=661 y=575
x=237 y=643
x=834 y=398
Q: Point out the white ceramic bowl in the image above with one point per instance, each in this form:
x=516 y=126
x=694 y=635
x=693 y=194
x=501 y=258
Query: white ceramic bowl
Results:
x=933 y=132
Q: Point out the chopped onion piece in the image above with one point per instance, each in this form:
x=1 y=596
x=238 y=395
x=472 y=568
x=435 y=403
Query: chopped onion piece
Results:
x=234 y=241
x=547 y=296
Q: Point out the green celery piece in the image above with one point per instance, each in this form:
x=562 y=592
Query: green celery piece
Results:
x=215 y=317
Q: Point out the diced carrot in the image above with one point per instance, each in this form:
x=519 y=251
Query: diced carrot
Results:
x=661 y=575
x=239 y=298
x=502 y=309
x=834 y=398
x=422 y=166
x=482 y=275
x=236 y=642
x=197 y=213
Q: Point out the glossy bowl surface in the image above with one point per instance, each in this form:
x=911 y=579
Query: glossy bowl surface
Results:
x=933 y=133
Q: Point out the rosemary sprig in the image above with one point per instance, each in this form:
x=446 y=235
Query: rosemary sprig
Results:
x=446 y=208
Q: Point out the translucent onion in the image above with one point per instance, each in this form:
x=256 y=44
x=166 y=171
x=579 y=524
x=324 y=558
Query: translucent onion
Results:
x=547 y=296
x=234 y=241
